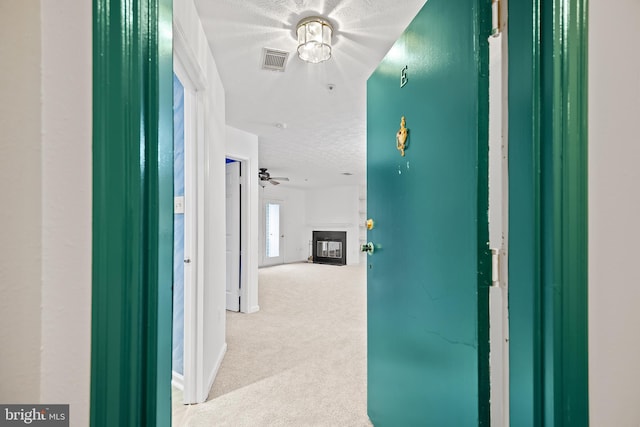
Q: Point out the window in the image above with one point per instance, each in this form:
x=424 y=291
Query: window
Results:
x=272 y=230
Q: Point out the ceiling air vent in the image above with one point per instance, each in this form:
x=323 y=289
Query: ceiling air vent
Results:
x=274 y=59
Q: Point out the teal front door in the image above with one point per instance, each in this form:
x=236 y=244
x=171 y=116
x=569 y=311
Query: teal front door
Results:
x=429 y=272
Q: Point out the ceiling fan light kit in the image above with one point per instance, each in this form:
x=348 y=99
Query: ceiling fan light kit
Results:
x=265 y=177
x=314 y=39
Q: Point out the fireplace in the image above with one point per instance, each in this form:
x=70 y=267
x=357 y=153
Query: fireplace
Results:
x=330 y=247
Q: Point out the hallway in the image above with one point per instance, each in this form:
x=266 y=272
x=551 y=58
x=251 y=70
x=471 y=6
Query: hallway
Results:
x=300 y=360
x=75 y=178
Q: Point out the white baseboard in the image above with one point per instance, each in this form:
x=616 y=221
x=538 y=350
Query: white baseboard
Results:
x=216 y=368
x=177 y=380
x=254 y=309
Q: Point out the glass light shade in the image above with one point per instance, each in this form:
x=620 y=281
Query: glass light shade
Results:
x=314 y=39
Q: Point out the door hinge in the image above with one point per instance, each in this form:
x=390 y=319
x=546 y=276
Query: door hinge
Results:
x=495 y=268
x=496 y=25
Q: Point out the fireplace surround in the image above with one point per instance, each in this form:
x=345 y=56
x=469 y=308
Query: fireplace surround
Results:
x=330 y=247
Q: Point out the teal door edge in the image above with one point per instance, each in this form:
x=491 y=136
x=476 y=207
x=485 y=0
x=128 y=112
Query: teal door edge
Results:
x=525 y=384
x=132 y=213
x=484 y=252
x=548 y=213
x=565 y=208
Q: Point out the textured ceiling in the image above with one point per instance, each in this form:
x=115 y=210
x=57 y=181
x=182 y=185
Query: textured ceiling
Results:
x=306 y=132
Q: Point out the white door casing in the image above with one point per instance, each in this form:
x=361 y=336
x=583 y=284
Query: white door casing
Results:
x=190 y=74
x=499 y=217
x=233 y=235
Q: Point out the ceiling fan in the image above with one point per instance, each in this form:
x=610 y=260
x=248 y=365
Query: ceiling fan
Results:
x=266 y=177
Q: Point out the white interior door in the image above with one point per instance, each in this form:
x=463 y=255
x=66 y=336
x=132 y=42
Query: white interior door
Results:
x=273 y=235
x=179 y=267
x=233 y=236
x=186 y=326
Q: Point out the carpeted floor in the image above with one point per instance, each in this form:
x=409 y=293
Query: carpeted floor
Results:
x=299 y=361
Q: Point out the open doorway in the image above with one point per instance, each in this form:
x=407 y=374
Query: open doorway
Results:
x=133 y=379
x=184 y=368
x=236 y=242
x=203 y=320
x=180 y=265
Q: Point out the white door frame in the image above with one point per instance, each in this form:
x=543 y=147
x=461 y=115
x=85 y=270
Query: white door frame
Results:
x=499 y=218
x=192 y=78
x=248 y=233
x=242 y=228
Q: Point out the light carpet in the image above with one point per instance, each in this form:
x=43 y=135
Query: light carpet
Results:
x=300 y=360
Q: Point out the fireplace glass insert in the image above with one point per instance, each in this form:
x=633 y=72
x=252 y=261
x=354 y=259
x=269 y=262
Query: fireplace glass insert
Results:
x=329 y=247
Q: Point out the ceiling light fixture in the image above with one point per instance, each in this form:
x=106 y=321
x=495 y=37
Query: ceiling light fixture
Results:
x=314 y=39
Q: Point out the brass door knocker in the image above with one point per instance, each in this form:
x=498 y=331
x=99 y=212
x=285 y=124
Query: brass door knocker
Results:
x=401 y=136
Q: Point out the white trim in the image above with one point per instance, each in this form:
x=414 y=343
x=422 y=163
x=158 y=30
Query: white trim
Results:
x=192 y=78
x=214 y=371
x=185 y=56
x=177 y=380
x=243 y=146
x=331 y=226
x=253 y=309
x=189 y=348
x=245 y=204
x=499 y=222
x=201 y=155
x=234 y=176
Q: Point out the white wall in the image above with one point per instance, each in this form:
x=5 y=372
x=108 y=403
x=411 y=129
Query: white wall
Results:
x=210 y=263
x=333 y=208
x=66 y=205
x=614 y=213
x=336 y=208
x=244 y=146
x=21 y=191
x=296 y=241
x=45 y=277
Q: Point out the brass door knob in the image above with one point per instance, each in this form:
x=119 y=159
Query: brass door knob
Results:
x=369 y=224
